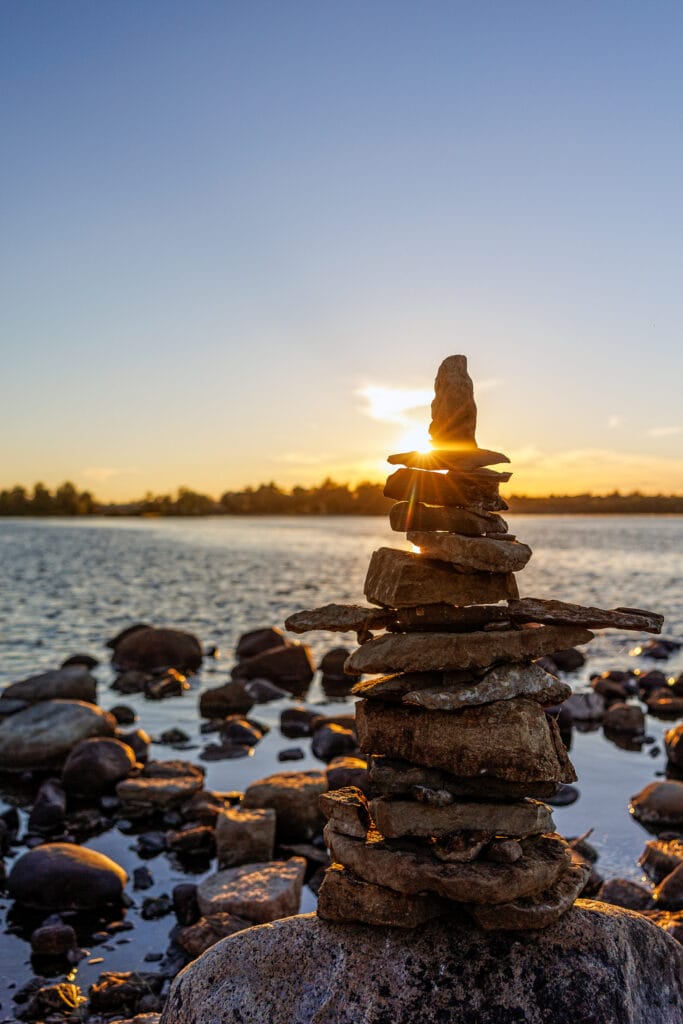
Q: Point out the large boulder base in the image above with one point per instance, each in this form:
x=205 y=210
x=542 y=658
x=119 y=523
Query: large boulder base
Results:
x=43 y=735
x=62 y=876
x=597 y=963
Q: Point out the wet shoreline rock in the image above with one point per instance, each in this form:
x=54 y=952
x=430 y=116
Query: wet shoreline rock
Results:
x=597 y=963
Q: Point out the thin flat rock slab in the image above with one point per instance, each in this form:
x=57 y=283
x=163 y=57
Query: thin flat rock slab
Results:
x=445 y=652
x=449 y=618
x=339 y=618
x=392 y=777
x=347 y=809
x=532 y=609
x=596 y=964
x=416 y=871
x=345 y=897
x=454 y=413
x=392 y=689
x=401 y=579
x=536 y=911
x=502 y=683
x=472 y=554
x=445 y=489
x=397 y=818
x=414 y=515
x=448 y=458
x=512 y=740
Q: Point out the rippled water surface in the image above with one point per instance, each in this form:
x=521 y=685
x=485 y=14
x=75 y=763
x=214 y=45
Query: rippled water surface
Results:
x=66 y=586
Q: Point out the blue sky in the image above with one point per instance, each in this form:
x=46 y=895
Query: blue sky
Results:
x=223 y=222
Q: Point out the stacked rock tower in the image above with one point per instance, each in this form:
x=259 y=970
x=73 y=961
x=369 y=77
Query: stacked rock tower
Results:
x=461 y=752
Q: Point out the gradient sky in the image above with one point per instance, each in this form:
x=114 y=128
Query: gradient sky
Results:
x=239 y=237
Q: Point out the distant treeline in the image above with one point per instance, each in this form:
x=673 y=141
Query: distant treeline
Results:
x=325 y=499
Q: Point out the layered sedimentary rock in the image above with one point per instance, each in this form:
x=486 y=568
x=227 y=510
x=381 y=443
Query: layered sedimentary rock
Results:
x=460 y=750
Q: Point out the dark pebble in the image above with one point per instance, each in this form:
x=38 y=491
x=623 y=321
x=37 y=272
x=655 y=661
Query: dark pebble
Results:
x=155 y=907
x=564 y=796
x=142 y=878
x=291 y=754
x=123 y=714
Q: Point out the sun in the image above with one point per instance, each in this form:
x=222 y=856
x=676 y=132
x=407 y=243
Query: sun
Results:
x=415 y=439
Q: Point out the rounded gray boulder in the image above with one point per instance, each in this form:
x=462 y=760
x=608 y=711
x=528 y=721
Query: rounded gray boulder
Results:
x=44 y=734
x=597 y=963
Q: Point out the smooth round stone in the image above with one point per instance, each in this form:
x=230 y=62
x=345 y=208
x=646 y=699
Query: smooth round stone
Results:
x=62 y=876
x=43 y=735
x=564 y=796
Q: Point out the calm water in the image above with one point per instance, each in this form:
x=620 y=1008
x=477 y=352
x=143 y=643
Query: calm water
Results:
x=68 y=585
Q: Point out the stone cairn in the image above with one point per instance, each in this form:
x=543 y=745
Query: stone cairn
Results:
x=460 y=749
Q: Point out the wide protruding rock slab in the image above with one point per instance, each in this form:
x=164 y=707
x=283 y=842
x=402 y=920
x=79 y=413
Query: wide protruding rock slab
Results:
x=597 y=964
x=448 y=458
x=339 y=618
x=443 y=652
x=44 y=734
x=510 y=740
x=401 y=579
x=475 y=554
x=560 y=613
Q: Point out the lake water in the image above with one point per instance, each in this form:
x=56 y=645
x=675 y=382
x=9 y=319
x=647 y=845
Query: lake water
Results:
x=66 y=586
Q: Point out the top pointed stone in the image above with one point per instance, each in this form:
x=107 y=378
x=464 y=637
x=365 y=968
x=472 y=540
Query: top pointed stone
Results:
x=454 y=414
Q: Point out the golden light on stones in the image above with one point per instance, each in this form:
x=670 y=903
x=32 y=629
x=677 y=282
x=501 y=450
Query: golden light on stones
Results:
x=460 y=751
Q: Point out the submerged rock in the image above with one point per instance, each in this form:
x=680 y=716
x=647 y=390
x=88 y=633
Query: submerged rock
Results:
x=73 y=682
x=245 y=835
x=95 y=766
x=62 y=876
x=49 y=809
x=596 y=963
x=294 y=798
x=289 y=665
x=659 y=803
x=149 y=649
